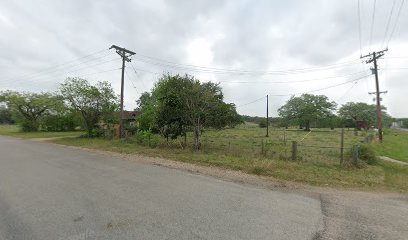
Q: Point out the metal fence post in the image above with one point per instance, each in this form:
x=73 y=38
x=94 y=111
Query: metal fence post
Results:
x=294 y=150
x=356 y=150
x=342 y=146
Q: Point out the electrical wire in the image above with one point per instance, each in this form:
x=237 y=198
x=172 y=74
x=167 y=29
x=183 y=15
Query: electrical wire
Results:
x=359 y=25
x=134 y=70
x=396 y=22
x=352 y=86
x=47 y=75
x=388 y=23
x=52 y=68
x=195 y=68
x=289 y=82
x=311 y=91
x=372 y=24
x=251 y=102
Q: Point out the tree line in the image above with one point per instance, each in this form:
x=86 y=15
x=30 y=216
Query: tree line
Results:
x=77 y=103
x=177 y=104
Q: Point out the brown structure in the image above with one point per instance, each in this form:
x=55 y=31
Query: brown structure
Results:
x=361 y=124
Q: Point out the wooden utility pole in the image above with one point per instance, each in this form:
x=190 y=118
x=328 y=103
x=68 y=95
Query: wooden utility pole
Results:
x=267 y=115
x=373 y=59
x=125 y=54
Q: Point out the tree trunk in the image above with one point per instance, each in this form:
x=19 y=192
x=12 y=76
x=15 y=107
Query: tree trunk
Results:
x=307 y=125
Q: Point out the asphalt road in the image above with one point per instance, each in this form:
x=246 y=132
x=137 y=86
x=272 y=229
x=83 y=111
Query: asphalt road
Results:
x=53 y=192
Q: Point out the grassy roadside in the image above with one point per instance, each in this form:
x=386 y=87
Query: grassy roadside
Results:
x=395 y=145
x=239 y=149
x=13 y=131
x=381 y=177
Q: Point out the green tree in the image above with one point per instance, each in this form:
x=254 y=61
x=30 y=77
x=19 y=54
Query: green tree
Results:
x=359 y=111
x=307 y=108
x=29 y=109
x=179 y=103
x=94 y=103
x=5 y=116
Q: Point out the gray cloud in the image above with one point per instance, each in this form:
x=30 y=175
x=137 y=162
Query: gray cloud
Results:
x=257 y=35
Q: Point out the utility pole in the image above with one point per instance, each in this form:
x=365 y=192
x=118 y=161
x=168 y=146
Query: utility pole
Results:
x=125 y=54
x=373 y=59
x=267 y=115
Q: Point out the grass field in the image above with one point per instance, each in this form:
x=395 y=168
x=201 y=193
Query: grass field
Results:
x=395 y=145
x=241 y=149
x=13 y=131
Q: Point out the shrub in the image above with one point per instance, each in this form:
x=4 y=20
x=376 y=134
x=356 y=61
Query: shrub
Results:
x=147 y=138
x=262 y=123
x=367 y=154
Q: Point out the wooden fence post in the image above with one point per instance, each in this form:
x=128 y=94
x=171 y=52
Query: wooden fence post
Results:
x=342 y=146
x=294 y=150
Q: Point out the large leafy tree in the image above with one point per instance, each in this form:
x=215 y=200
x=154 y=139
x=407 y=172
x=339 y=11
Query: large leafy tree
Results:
x=307 y=108
x=29 y=109
x=179 y=103
x=358 y=111
x=94 y=103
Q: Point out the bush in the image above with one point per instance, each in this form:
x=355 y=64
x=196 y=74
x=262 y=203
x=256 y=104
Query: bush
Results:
x=262 y=123
x=367 y=154
x=57 y=123
x=147 y=138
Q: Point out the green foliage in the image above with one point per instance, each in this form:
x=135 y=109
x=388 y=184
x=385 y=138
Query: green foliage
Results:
x=367 y=154
x=60 y=122
x=30 y=109
x=405 y=123
x=179 y=103
x=5 y=116
x=352 y=112
x=147 y=138
x=262 y=123
x=94 y=103
x=307 y=108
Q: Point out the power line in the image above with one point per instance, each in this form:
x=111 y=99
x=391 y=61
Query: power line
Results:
x=352 y=86
x=359 y=24
x=164 y=63
x=372 y=24
x=251 y=102
x=268 y=82
x=134 y=70
x=336 y=85
x=388 y=23
x=311 y=91
x=131 y=81
x=396 y=21
x=52 y=68
x=57 y=71
x=289 y=82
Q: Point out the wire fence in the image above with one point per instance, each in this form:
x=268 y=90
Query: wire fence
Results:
x=321 y=147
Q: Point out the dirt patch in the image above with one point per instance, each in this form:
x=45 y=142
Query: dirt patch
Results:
x=384 y=158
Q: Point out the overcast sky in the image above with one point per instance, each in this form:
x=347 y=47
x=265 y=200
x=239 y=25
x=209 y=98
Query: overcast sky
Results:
x=258 y=45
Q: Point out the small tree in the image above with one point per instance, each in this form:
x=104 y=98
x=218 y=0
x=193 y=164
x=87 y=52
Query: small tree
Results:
x=29 y=109
x=179 y=103
x=307 y=108
x=93 y=103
